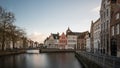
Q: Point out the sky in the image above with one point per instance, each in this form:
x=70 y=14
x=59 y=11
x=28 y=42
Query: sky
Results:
x=40 y=18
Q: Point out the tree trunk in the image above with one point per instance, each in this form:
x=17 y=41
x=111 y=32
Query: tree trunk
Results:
x=3 y=42
x=13 y=44
x=3 y=37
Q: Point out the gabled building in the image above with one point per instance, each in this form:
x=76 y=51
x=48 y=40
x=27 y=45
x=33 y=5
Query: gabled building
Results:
x=56 y=40
x=76 y=40
x=52 y=41
x=63 y=41
x=71 y=39
x=46 y=42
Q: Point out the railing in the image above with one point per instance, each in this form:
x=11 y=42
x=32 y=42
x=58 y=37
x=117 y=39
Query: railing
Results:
x=102 y=60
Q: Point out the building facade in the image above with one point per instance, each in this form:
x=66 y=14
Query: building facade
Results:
x=96 y=34
x=87 y=37
x=105 y=17
x=115 y=31
x=56 y=40
x=72 y=38
x=46 y=42
x=108 y=7
x=63 y=41
x=71 y=41
x=81 y=42
x=52 y=41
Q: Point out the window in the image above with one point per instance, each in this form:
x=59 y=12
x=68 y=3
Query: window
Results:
x=104 y=25
x=101 y=26
x=56 y=37
x=118 y=29
x=107 y=12
x=107 y=25
x=113 y=1
x=103 y=5
x=112 y=31
x=101 y=16
x=104 y=14
x=117 y=16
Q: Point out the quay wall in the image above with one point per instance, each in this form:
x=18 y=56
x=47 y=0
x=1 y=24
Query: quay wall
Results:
x=86 y=62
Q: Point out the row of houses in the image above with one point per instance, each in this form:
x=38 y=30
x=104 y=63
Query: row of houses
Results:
x=70 y=40
x=104 y=36
x=105 y=32
x=22 y=43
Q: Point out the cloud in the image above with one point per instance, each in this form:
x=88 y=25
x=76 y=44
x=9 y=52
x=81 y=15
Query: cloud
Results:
x=96 y=9
x=36 y=36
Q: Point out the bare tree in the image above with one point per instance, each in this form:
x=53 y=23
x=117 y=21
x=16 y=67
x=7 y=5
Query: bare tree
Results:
x=8 y=31
x=16 y=34
x=6 y=19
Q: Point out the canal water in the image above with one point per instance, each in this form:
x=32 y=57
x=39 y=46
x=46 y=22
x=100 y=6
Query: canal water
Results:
x=34 y=59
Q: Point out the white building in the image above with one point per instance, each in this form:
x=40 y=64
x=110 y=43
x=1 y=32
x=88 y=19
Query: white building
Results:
x=56 y=40
x=52 y=41
x=72 y=39
x=96 y=34
x=46 y=42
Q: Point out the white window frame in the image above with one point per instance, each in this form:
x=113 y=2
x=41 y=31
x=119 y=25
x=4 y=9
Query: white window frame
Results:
x=113 y=31
x=117 y=16
x=118 y=29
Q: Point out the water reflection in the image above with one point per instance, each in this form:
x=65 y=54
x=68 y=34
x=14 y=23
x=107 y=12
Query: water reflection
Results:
x=33 y=51
x=42 y=60
x=36 y=61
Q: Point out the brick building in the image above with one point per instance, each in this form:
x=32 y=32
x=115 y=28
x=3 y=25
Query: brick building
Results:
x=62 y=41
x=115 y=31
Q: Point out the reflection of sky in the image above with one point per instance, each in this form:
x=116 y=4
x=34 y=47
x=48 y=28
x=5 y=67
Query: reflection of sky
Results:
x=63 y=60
x=32 y=51
x=37 y=61
x=42 y=60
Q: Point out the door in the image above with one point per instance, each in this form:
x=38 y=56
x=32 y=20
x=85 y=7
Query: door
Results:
x=113 y=47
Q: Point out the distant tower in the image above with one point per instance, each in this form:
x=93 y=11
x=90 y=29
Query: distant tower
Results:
x=68 y=30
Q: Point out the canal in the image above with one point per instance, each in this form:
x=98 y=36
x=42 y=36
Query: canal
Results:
x=34 y=59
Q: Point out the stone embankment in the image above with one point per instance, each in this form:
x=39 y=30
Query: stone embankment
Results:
x=11 y=52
